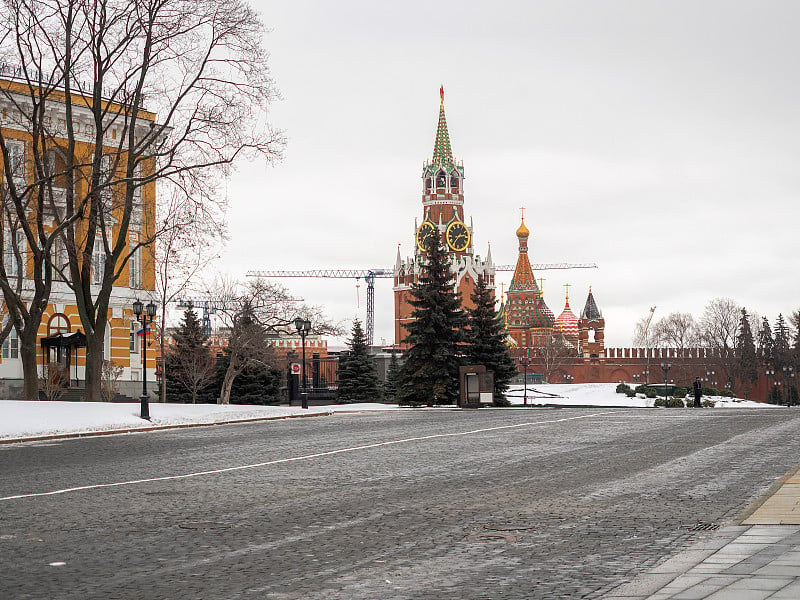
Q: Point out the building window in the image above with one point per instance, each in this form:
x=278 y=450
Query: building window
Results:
x=60 y=260
x=14 y=242
x=98 y=260
x=135 y=269
x=16 y=157
x=11 y=345
x=134 y=347
x=136 y=205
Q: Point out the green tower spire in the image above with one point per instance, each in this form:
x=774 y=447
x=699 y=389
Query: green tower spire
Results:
x=442 y=153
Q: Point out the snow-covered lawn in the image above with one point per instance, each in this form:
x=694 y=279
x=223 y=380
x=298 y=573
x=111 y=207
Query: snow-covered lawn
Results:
x=21 y=419
x=604 y=394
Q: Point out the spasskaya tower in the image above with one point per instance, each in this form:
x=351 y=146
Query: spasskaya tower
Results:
x=442 y=215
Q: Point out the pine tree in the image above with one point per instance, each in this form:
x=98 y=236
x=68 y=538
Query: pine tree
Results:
x=392 y=375
x=747 y=361
x=485 y=340
x=429 y=375
x=765 y=342
x=780 y=349
x=358 y=378
x=189 y=366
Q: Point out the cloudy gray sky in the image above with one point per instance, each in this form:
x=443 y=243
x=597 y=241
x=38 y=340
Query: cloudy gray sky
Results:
x=657 y=139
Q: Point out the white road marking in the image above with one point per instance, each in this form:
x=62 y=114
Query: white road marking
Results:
x=292 y=459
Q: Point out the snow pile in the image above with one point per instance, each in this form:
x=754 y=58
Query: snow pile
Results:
x=21 y=419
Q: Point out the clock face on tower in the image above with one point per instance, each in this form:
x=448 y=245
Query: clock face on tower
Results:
x=457 y=236
x=424 y=233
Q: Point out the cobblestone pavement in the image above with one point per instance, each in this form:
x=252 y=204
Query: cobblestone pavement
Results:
x=484 y=504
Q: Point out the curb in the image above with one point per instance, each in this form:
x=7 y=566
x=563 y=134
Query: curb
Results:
x=81 y=434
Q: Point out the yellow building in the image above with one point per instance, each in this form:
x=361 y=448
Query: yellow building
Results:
x=61 y=343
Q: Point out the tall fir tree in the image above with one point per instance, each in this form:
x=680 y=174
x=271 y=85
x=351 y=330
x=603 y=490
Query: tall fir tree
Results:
x=747 y=360
x=188 y=364
x=392 y=375
x=429 y=375
x=765 y=342
x=485 y=340
x=780 y=348
x=358 y=378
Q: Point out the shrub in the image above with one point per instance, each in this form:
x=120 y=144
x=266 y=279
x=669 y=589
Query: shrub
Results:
x=630 y=393
x=709 y=391
x=707 y=403
x=623 y=388
x=641 y=389
x=650 y=392
x=726 y=394
x=680 y=392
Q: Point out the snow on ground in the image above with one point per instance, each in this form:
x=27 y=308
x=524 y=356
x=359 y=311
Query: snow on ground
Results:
x=22 y=419
x=603 y=394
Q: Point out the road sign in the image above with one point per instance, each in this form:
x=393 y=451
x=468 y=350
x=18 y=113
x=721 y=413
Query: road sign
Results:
x=295 y=368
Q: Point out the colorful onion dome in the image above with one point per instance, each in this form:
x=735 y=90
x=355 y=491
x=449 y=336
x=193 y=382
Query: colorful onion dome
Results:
x=542 y=316
x=567 y=322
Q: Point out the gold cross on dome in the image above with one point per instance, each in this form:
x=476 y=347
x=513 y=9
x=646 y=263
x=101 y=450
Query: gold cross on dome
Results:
x=567 y=286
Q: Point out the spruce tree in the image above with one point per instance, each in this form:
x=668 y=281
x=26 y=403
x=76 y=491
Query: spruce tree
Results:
x=189 y=366
x=429 y=375
x=747 y=361
x=780 y=348
x=485 y=340
x=358 y=378
x=765 y=342
x=392 y=377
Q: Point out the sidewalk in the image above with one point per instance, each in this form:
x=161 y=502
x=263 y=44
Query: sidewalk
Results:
x=756 y=560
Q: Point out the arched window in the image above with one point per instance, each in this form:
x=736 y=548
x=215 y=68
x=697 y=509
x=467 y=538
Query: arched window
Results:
x=441 y=179
x=59 y=323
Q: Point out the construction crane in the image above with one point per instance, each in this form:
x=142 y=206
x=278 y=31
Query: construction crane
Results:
x=369 y=276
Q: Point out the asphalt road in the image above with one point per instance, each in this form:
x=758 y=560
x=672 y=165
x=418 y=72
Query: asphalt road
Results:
x=432 y=504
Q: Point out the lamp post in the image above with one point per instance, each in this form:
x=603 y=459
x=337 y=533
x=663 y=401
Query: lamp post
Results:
x=768 y=373
x=525 y=361
x=144 y=314
x=568 y=378
x=303 y=326
x=665 y=367
x=787 y=373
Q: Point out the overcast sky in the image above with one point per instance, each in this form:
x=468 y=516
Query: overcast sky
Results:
x=656 y=139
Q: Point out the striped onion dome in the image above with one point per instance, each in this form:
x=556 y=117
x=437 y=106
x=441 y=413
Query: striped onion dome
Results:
x=542 y=315
x=567 y=322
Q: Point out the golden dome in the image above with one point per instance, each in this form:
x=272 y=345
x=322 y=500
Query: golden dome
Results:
x=523 y=231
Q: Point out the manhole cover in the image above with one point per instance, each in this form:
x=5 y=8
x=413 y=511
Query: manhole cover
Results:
x=704 y=527
x=204 y=525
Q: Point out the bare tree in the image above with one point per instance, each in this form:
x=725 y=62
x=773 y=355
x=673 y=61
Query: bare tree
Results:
x=192 y=235
x=194 y=368
x=200 y=70
x=676 y=330
x=719 y=330
x=251 y=312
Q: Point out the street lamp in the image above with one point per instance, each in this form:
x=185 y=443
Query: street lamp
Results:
x=142 y=313
x=665 y=367
x=303 y=326
x=768 y=373
x=787 y=373
x=568 y=378
x=525 y=361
